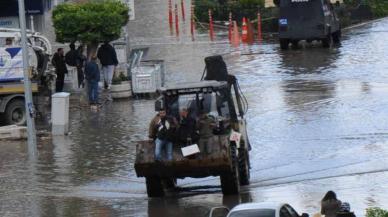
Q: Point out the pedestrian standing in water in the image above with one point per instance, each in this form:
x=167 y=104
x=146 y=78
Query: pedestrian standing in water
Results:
x=92 y=73
x=108 y=58
x=59 y=63
x=330 y=205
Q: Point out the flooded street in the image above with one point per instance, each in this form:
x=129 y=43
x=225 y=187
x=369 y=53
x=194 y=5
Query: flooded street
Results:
x=317 y=121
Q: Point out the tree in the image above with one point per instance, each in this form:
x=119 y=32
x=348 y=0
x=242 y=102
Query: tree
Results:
x=90 y=22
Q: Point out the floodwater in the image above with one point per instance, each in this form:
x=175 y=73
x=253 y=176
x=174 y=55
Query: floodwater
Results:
x=317 y=121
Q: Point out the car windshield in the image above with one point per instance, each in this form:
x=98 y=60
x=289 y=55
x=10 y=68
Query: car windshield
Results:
x=253 y=213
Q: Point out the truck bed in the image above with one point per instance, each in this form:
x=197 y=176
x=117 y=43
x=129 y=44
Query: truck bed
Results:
x=197 y=166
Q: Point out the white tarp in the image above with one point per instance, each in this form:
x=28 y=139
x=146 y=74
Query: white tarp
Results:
x=11 y=64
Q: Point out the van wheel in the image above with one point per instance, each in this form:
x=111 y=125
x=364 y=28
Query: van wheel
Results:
x=284 y=44
x=337 y=37
x=170 y=183
x=328 y=41
x=295 y=43
x=230 y=181
x=244 y=168
x=15 y=113
x=154 y=187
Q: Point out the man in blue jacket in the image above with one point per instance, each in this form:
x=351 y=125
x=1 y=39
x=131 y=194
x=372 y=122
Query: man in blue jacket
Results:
x=92 y=73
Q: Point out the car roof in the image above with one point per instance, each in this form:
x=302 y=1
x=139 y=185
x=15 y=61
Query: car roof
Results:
x=264 y=205
x=194 y=85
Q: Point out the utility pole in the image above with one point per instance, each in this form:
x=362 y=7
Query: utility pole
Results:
x=32 y=150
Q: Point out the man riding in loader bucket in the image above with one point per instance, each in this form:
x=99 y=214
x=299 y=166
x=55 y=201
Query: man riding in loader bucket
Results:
x=217 y=107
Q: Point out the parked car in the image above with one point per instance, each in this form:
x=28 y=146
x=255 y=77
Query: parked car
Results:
x=264 y=210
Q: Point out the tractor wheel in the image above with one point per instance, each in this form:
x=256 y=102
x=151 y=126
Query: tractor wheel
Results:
x=244 y=169
x=295 y=44
x=15 y=113
x=327 y=42
x=284 y=44
x=170 y=183
x=337 y=37
x=154 y=187
x=230 y=181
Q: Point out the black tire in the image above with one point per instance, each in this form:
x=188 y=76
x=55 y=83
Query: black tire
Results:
x=15 y=113
x=244 y=170
x=169 y=183
x=154 y=187
x=295 y=44
x=230 y=181
x=337 y=37
x=327 y=42
x=284 y=44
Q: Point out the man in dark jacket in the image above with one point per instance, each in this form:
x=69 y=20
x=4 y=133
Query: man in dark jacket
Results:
x=81 y=58
x=187 y=130
x=92 y=73
x=108 y=58
x=161 y=130
x=59 y=63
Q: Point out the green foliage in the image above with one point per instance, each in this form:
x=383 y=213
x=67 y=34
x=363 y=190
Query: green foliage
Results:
x=376 y=212
x=221 y=9
x=90 y=22
x=379 y=7
x=117 y=79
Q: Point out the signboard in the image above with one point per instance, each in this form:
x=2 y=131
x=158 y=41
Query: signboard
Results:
x=11 y=64
x=10 y=8
x=9 y=22
x=190 y=150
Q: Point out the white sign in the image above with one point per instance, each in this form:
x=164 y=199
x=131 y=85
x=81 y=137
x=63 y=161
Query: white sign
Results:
x=9 y=22
x=235 y=137
x=11 y=64
x=190 y=150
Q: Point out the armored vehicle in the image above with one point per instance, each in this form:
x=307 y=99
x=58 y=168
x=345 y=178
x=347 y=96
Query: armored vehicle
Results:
x=218 y=96
x=307 y=20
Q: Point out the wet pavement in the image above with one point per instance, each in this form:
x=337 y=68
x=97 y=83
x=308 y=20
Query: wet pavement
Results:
x=317 y=121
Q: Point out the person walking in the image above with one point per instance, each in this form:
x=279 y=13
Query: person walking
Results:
x=161 y=130
x=108 y=58
x=330 y=205
x=92 y=73
x=80 y=66
x=59 y=63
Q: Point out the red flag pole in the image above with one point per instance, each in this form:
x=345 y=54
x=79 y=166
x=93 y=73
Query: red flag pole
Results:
x=259 y=33
x=192 y=23
x=230 y=27
x=211 y=28
x=183 y=10
x=176 y=20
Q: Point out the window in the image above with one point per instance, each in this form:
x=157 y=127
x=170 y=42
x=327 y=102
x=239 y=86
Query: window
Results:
x=292 y=211
x=284 y=212
x=254 y=213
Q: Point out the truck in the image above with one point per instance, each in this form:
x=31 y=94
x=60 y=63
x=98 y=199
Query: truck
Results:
x=219 y=96
x=307 y=20
x=12 y=107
